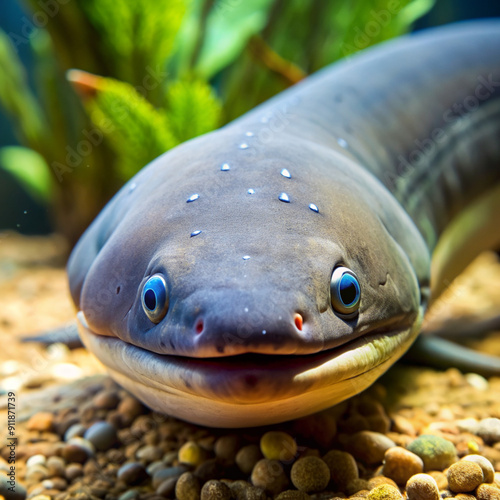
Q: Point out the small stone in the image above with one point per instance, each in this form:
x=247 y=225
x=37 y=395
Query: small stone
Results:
x=464 y=476
x=56 y=466
x=487 y=492
x=215 y=490
x=293 y=495
x=149 y=453
x=422 y=487
x=210 y=469
x=41 y=421
x=440 y=478
x=36 y=473
x=385 y=492
x=375 y=481
x=191 y=453
x=38 y=459
x=489 y=430
x=170 y=472
x=485 y=464
x=226 y=447
x=242 y=490
x=106 y=400
x=247 y=457
x=77 y=450
x=55 y=483
x=436 y=452
x=132 y=473
x=343 y=468
x=276 y=445
x=102 y=435
x=73 y=471
x=310 y=474
x=167 y=487
x=356 y=485
x=187 y=487
x=270 y=476
x=129 y=495
x=369 y=446
x=401 y=464
x=129 y=409
x=76 y=430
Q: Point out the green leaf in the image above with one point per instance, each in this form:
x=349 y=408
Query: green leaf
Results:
x=193 y=109
x=229 y=26
x=17 y=98
x=136 y=130
x=29 y=168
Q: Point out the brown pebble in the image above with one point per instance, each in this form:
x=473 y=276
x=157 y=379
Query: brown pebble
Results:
x=36 y=473
x=356 y=485
x=41 y=421
x=167 y=487
x=385 y=492
x=73 y=452
x=215 y=490
x=149 y=453
x=210 y=469
x=242 y=490
x=464 y=476
x=270 y=476
x=247 y=457
x=106 y=400
x=129 y=409
x=401 y=464
x=440 y=478
x=293 y=495
x=487 y=492
x=369 y=446
x=310 y=474
x=422 y=487
x=56 y=466
x=73 y=471
x=375 y=481
x=187 y=487
x=226 y=447
x=485 y=464
x=132 y=473
x=343 y=468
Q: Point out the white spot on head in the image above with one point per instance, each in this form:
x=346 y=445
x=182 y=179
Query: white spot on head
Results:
x=342 y=142
x=251 y=191
x=313 y=207
x=286 y=173
x=249 y=134
x=284 y=197
x=243 y=145
x=225 y=167
x=195 y=233
x=246 y=257
x=246 y=309
x=193 y=197
x=264 y=332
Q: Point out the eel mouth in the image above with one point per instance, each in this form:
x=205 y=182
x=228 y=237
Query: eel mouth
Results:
x=249 y=379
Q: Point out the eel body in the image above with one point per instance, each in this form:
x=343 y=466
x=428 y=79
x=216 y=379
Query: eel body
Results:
x=279 y=265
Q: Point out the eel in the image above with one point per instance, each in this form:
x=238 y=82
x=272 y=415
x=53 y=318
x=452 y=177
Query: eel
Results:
x=279 y=265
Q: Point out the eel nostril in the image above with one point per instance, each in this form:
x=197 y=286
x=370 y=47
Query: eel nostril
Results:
x=199 y=326
x=298 y=320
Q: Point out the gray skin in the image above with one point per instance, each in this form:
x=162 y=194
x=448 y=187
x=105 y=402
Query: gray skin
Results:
x=229 y=351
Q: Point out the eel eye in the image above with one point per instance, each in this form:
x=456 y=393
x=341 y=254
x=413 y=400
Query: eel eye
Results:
x=345 y=292
x=154 y=298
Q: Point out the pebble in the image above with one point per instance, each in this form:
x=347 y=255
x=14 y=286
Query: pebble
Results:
x=36 y=460
x=242 y=490
x=212 y=468
x=368 y=446
x=73 y=471
x=56 y=466
x=270 y=476
x=167 y=487
x=343 y=468
x=132 y=473
x=107 y=399
x=464 y=476
x=487 y=492
x=36 y=473
x=77 y=450
x=167 y=473
x=76 y=430
x=215 y=490
x=18 y=494
x=293 y=495
x=422 y=487
x=310 y=474
x=226 y=447
x=149 y=453
x=247 y=457
x=385 y=492
x=41 y=421
x=277 y=445
x=401 y=464
x=102 y=435
x=191 y=453
x=485 y=464
x=436 y=452
x=187 y=487
x=489 y=430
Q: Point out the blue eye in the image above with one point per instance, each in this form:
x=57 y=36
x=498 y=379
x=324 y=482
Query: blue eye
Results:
x=154 y=298
x=345 y=292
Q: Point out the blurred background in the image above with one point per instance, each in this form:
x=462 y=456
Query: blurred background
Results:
x=92 y=90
